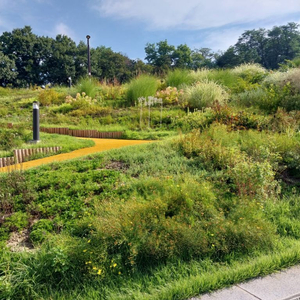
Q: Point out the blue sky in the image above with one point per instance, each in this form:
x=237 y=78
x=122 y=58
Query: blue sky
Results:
x=126 y=26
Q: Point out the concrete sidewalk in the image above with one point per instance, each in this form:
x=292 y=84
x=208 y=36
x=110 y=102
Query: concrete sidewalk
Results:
x=284 y=285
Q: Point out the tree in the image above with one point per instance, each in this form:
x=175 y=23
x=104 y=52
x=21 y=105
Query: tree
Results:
x=22 y=47
x=251 y=46
x=228 y=59
x=60 y=63
x=160 y=56
x=109 y=65
x=283 y=44
x=8 y=71
x=203 y=58
x=270 y=48
x=181 y=57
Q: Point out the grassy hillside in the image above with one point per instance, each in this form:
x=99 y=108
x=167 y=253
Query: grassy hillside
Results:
x=216 y=204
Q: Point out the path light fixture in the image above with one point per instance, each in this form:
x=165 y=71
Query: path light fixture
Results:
x=88 y=54
x=36 y=122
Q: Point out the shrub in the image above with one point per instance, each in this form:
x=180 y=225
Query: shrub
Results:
x=178 y=77
x=40 y=230
x=49 y=96
x=88 y=86
x=81 y=101
x=196 y=120
x=204 y=94
x=17 y=221
x=12 y=138
x=142 y=86
x=170 y=95
x=200 y=75
x=281 y=79
x=252 y=97
x=253 y=73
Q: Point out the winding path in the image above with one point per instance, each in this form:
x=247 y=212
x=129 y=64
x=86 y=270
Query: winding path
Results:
x=100 y=145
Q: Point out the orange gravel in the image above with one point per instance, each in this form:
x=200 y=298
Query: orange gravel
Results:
x=100 y=145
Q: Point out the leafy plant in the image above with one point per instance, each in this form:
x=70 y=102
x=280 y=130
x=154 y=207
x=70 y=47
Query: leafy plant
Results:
x=204 y=94
x=142 y=86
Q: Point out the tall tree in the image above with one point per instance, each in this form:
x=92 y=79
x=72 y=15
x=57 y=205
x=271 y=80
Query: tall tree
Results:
x=181 y=57
x=23 y=47
x=61 y=62
x=8 y=71
x=203 y=58
x=160 y=56
x=283 y=44
x=109 y=65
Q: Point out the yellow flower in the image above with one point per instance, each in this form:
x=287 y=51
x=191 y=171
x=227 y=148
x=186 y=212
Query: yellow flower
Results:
x=84 y=250
x=114 y=265
x=99 y=272
x=89 y=241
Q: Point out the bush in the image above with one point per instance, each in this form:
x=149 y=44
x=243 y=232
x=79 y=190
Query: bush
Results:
x=12 y=138
x=49 y=97
x=40 y=230
x=170 y=95
x=88 y=86
x=204 y=94
x=17 y=221
x=253 y=73
x=251 y=97
x=143 y=86
x=178 y=77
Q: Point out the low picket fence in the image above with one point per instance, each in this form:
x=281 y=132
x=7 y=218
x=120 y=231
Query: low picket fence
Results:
x=20 y=155
x=84 y=133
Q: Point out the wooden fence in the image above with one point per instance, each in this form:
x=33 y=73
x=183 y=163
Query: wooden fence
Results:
x=20 y=155
x=84 y=133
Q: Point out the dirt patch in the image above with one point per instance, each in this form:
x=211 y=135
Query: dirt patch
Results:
x=19 y=242
x=117 y=165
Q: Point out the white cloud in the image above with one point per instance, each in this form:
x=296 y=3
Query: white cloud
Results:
x=63 y=29
x=195 y=14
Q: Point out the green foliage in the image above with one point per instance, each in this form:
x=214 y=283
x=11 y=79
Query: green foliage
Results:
x=17 y=221
x=40 y=230
x=12 y=138
x=252 y=73
x=170 y=95
x=88 y=86
x=204 y=94
x=178 y=77
x=51 y=97
x=142 y=86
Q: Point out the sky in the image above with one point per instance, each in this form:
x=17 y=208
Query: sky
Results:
x=126 y=26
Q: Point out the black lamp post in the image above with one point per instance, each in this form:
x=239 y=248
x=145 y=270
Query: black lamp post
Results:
x=36 y=122
x=88 y=53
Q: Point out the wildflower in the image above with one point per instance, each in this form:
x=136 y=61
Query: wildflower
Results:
x=84 y=250
x=99 y=272
x=89 y=241
x=114 y=265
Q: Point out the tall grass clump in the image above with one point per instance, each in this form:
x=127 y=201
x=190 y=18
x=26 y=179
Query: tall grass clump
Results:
x=205 y=94
x=143 y=86
x=178 y=77
x=200 y=75
x=253 y=73
x=88 y=86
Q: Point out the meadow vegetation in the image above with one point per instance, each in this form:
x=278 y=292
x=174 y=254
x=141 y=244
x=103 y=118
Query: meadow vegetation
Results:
x=214 y=201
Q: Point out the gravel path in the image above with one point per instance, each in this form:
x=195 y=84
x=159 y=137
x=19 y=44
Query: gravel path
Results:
x=100 y=145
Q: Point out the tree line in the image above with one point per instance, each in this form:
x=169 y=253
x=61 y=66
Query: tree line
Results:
x=26 y=58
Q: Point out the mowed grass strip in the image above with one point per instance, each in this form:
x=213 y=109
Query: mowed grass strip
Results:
x=100 y=145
